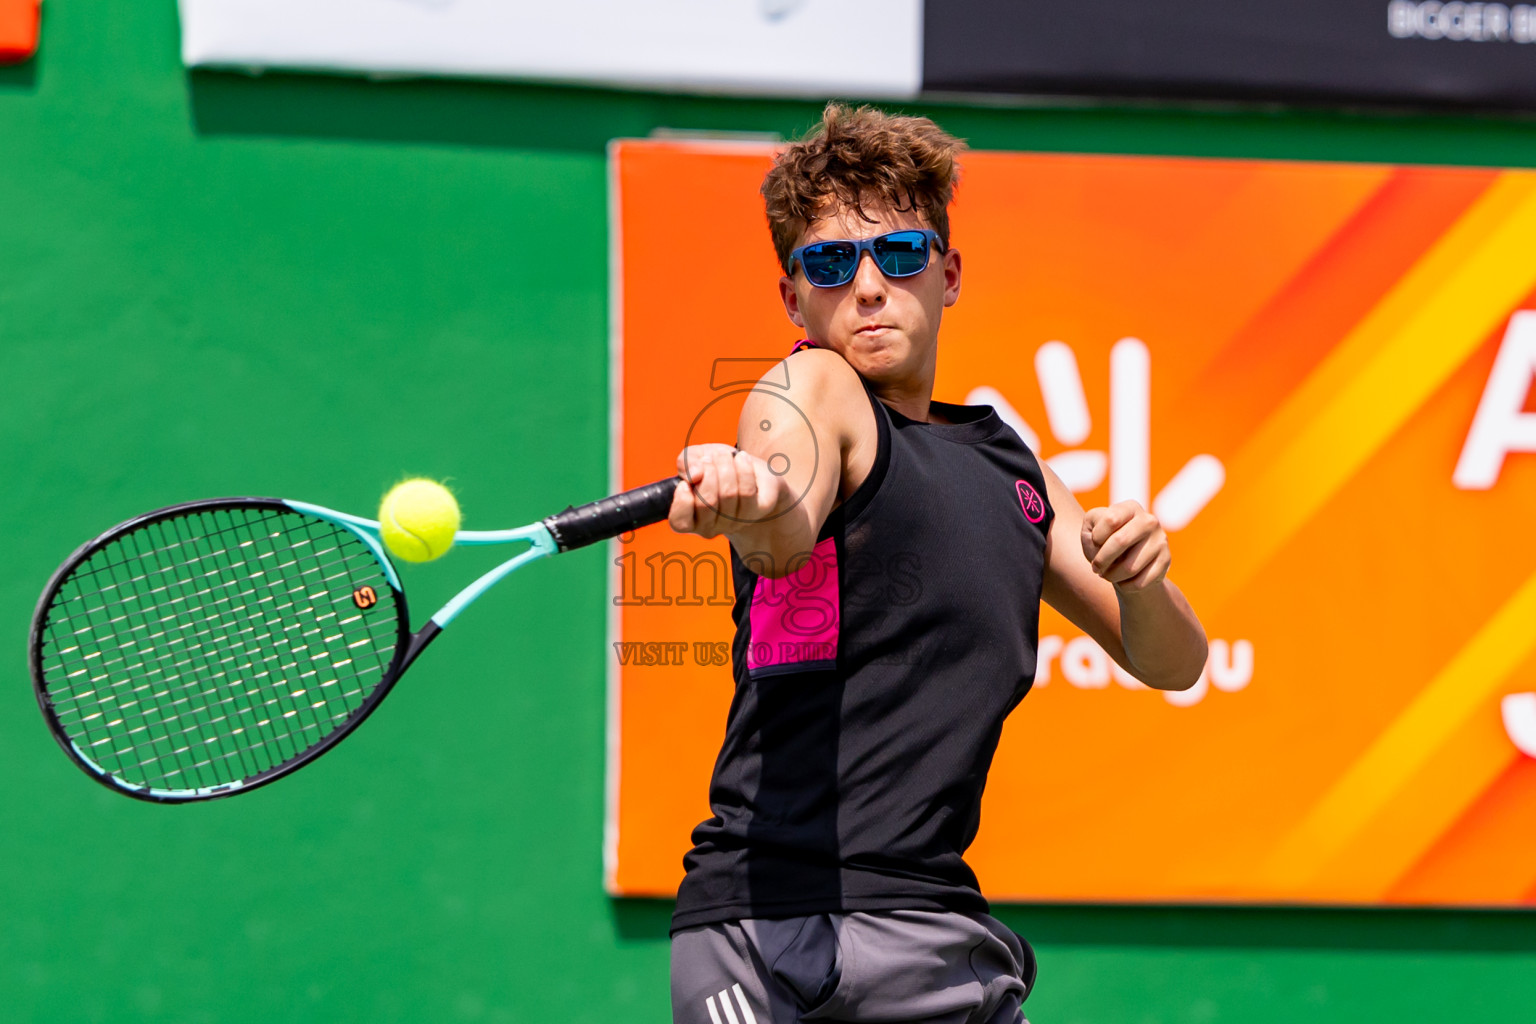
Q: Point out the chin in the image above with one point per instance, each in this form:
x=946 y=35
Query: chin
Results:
x=886 y=348
x=879 y=365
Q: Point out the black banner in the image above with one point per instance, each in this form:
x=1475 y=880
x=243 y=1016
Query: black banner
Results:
x=1395 y=52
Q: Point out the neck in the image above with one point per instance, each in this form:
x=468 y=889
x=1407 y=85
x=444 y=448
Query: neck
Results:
x=910 y=398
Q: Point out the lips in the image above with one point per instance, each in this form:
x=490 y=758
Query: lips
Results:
x=872 y=328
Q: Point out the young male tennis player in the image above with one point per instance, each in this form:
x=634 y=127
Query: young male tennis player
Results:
x=890 y=555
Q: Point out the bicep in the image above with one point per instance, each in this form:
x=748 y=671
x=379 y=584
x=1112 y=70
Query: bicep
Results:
x=798 y=450
x=1071 y=587
x=805 y=432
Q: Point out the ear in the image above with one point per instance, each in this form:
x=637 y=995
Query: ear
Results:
x=951 y=277
x=791 y=300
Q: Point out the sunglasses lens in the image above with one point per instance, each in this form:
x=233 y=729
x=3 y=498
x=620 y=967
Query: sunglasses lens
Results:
x=830 y=263
x=902 y=253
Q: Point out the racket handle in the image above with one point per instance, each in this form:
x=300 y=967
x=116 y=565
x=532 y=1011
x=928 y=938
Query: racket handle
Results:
x=609 y=517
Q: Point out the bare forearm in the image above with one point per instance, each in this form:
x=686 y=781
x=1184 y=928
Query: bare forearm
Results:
x=777 y=547
x=772 y=527
x=1163 y=639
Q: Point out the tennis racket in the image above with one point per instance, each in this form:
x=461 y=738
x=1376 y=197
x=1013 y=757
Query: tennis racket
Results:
x=208 y=648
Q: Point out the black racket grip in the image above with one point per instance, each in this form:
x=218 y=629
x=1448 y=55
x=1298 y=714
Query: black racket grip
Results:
x=609 y=517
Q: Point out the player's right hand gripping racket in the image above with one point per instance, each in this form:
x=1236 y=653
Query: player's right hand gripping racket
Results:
x=205 y=649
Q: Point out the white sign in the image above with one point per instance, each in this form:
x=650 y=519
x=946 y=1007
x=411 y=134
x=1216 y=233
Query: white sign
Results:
x=866 y=48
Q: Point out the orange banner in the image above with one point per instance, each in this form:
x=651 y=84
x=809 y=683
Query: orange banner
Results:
x=1319 y=376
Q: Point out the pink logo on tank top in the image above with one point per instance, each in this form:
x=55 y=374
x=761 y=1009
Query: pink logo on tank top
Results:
x=1034 y=508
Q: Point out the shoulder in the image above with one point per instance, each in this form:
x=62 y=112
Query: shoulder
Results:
x=822 y=373
x=1057 y=490
x=822 y=385
x=831 y=399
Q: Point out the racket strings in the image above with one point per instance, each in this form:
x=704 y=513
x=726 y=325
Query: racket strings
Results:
x=211 y=647
x=209 y=695
x=201 y=706
x=175 y=700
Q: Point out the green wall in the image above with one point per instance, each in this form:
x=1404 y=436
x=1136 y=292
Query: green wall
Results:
x=212 y=284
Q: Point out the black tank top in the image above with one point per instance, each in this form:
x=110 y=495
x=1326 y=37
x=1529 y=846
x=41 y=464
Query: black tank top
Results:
x=872 y=684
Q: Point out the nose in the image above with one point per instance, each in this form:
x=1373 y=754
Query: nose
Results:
x=868 y=282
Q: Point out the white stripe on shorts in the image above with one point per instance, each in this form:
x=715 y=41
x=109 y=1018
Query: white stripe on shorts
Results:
x=741 y=997
x=725 y=1004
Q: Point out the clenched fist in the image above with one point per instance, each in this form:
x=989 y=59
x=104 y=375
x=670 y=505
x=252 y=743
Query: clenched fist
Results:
x=723 y=490
x=1126 y=545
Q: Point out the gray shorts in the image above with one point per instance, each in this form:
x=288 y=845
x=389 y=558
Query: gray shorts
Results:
x=895 y=965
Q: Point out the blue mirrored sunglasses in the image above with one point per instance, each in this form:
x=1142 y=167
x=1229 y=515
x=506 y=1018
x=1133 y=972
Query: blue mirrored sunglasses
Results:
x=833 y=263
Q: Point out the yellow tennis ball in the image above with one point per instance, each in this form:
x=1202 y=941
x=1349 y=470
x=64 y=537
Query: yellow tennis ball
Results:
x=418 y=519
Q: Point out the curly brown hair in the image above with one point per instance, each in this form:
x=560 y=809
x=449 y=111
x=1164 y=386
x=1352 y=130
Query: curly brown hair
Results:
x=856 y=156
